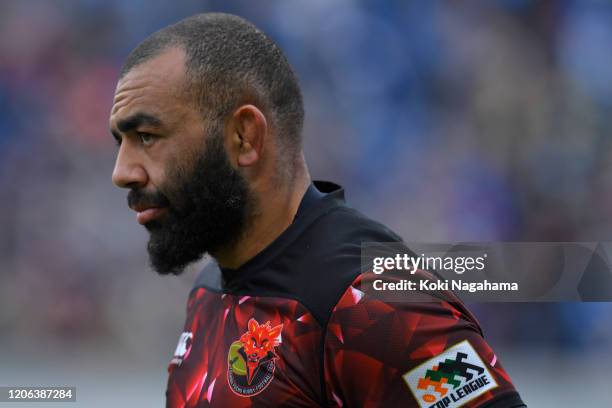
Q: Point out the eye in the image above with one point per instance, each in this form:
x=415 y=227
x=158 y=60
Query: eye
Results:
x=146 y=139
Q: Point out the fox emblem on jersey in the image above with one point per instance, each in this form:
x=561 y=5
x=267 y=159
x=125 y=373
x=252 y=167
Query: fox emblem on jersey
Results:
x=251 y=360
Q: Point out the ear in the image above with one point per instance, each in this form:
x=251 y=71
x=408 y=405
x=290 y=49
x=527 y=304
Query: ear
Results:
x=276 y=331
x=248 y=128
x=253 y=325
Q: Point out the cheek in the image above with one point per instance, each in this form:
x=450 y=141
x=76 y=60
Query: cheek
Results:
x=158 y=178
x=168 y=175
x=155 y=164
x=161 y=184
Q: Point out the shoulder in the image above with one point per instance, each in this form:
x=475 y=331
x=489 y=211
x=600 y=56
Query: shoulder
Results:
x=412 y=345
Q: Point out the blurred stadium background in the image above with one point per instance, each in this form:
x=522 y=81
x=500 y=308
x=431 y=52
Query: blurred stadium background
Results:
x=446 y=120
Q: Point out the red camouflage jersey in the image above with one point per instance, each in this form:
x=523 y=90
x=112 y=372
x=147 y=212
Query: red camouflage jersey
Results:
x=294 y=328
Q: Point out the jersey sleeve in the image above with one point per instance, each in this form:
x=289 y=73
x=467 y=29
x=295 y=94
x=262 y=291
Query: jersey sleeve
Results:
x=428 y=354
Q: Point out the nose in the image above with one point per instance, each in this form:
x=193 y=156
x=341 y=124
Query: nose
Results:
x=128 y=173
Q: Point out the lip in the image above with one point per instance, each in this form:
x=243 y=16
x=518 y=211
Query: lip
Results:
x=145 y=214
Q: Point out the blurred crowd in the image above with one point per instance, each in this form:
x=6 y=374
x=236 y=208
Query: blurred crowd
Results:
x=470 y=120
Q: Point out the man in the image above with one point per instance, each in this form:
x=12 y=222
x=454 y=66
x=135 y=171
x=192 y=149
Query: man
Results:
x=208 y=116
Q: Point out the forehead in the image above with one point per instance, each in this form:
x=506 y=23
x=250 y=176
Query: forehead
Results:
x=156 y=87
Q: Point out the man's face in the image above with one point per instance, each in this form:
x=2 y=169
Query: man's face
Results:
x=182 y=185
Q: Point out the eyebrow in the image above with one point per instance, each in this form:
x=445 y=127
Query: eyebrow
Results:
x=133 y=122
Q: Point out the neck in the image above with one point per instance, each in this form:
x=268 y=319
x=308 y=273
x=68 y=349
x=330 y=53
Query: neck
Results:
x=277 y=208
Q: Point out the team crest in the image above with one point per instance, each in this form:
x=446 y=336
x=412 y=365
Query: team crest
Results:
x=251 y=360
x=450 y=379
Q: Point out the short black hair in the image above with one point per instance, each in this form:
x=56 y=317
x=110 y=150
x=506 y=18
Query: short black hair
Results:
x=230 y=62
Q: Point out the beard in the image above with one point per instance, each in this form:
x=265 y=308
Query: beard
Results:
x=208 y=207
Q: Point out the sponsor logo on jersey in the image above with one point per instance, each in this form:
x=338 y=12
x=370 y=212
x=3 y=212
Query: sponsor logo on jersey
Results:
x=183 y=348
x=450 y=379
x=251 y=360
